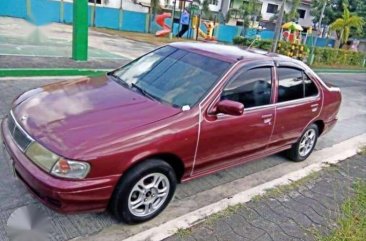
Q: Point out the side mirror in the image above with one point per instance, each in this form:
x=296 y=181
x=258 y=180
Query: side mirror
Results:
x=230 y=107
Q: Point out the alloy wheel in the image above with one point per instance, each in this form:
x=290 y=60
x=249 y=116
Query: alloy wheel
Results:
x=148 y=194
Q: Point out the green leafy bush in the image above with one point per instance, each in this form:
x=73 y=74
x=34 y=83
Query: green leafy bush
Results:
x=331 y=56
x=259 y=44
x=293 y=50
x=323 y=56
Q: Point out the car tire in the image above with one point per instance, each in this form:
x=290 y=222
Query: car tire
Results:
x=143 y=192
x=305 y=145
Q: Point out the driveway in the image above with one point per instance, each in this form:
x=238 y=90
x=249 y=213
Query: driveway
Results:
x=352 y=122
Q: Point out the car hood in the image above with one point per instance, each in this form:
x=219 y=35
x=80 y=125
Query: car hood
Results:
x=71 y=116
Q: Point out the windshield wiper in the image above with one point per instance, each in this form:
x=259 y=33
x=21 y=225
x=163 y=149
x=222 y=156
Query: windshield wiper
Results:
x=117 y=78
x=144 y=92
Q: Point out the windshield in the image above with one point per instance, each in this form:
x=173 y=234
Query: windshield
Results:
x=172 y=75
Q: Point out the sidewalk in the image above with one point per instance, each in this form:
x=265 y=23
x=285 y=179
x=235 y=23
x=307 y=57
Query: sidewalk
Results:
x=304 y=210
x=24 y=46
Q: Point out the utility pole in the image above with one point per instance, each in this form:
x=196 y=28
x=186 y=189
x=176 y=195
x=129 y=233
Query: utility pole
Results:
x=80 y=30
x=316 y=36
x=172 y=19
x=278 y=27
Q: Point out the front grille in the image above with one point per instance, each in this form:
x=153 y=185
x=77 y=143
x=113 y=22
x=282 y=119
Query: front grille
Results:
x=19 y=136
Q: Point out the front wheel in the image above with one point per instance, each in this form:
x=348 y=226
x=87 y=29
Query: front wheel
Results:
x=144 y=191
x=304 y=147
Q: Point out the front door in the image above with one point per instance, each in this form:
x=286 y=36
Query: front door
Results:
x=227 y=140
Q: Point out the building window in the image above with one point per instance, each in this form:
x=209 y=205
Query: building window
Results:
x=96 y=1
x=214 y=2
x=301 y=13
x=272 y=8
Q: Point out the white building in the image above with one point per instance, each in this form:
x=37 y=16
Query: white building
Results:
x=269 y=7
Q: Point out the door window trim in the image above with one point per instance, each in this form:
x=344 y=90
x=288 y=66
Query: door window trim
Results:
x=295 y=101
x=246 y=67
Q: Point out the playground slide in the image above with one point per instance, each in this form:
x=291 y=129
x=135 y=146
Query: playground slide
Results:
x=202 y=34
x=160 y=20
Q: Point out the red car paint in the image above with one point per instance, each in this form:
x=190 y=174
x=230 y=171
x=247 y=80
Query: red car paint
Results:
x=113 y=128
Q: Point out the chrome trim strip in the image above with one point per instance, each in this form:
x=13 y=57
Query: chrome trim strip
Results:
x=198 y=137
x=22 y=130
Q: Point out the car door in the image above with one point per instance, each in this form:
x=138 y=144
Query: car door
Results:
x=298 y=104
x=227 y=140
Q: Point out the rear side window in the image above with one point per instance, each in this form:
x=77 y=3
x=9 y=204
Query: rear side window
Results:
x=294 y=84
x=310 y=87
x=250 y=87
x=290 y=84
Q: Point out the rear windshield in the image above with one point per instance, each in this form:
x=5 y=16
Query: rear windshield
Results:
x=176 y=76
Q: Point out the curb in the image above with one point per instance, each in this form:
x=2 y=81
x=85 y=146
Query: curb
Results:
x=319 y=160
x=29 y=72
x=340 y=71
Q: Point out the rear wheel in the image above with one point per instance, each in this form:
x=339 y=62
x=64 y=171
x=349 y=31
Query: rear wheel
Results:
x=144 y=191
x=304 y=147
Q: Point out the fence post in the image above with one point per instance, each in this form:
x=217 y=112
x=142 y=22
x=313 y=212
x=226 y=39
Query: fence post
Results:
x=29 y=9
x=62 y=11
x=80 y=30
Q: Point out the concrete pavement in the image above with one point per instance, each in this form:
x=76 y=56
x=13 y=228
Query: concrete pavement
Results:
x=13 y=194
x=23 y=45
x=302 y=211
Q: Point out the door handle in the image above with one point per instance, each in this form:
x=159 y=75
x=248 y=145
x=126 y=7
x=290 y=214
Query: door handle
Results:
x=314 y=107
x=267 y=119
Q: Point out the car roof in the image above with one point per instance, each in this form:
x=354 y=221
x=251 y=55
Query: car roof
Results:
x=230 y=53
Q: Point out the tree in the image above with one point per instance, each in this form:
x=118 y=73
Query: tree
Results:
x=249 y=10
x=359 y=8
x=343 y=25
x=204 y=5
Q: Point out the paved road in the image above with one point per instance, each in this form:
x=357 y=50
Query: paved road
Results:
x=13 y=194
x=309 y=210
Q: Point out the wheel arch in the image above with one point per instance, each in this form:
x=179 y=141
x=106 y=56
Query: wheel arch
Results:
x=173 y=160
x=320 y=124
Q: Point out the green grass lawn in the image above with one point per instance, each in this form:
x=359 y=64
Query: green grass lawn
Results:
x=352 y=224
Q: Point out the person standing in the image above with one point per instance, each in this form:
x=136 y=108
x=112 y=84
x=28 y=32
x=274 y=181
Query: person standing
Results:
x=184 y=21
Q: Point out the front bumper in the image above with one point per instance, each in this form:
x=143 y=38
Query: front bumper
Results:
x=59 y=194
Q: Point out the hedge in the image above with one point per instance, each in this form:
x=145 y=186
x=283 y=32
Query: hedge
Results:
x=331 y=56
x=323 y=56
x=298 y=51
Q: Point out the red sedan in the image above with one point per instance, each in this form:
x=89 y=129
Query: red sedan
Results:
x=185 y=110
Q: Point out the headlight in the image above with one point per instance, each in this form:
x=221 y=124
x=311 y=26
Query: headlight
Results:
x=55 y=164
x=41 y=156
x=71 y=169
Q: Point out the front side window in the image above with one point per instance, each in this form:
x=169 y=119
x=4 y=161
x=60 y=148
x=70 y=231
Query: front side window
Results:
x=250 y=87
x=294 y=84
x=175 y=76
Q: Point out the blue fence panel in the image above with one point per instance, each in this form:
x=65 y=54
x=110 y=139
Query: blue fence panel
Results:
x=68 y=12
x=227 y=33
x=321 y=42
x=267 y=34
x=44 y=12
x=107 y=18
x=13 y=8
x=134 y=21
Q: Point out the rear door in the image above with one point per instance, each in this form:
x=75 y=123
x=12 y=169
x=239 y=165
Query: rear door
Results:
x=298 y=104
